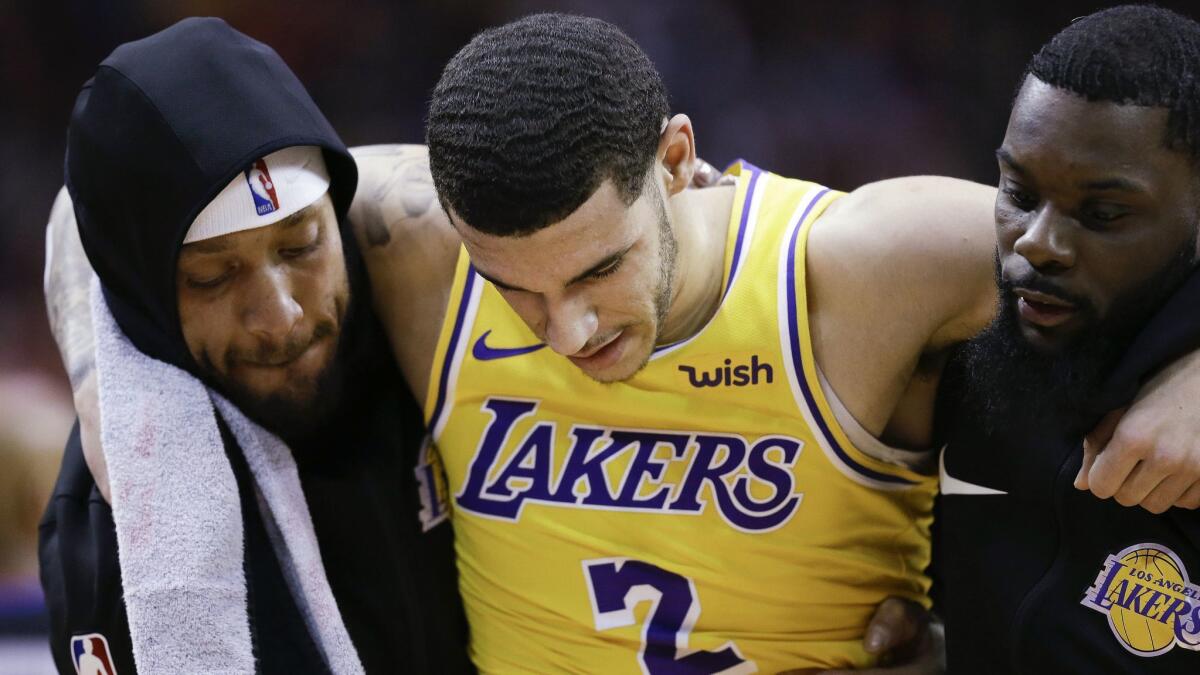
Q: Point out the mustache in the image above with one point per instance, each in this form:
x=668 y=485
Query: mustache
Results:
x=1033 y=281
x=265 y=354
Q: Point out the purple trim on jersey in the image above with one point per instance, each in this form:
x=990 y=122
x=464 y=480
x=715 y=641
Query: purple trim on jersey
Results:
x=755 y=173
x=448 y=363
x=798 y=360
x=737 y=247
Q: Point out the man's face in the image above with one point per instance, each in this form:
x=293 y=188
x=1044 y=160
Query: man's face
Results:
x=262 y=310
x=594 y=286
x=1095 y=218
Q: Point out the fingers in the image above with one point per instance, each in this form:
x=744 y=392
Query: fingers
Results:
x=1152 y=458
x=922 y=653
x=1136 y=470
x=1096 y=439
x=895 y=623
x=1089 y=459
x=1138 y=484
x=1190 y=498
x=1165 y=495
x=927 y=661
x=705 y=175
x=1114 y=464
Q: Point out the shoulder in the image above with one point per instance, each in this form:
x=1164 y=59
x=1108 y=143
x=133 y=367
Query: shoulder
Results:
x=410 y=249
x=917 y=213
x=897 y=272
x=929 y=240
x=396 y=201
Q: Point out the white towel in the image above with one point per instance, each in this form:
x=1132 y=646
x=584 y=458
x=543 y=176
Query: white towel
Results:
x=178 y=517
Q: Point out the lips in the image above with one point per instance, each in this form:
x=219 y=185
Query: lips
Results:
x=1041 y=309
x=602 y=355
x=289 y=359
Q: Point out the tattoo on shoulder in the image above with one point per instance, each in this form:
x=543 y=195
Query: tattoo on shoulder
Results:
x=409 y=178
x=376 y=229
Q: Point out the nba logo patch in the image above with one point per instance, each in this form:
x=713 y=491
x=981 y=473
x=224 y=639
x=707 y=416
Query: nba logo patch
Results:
x=262 y=188
x=1151 y=604
x=91 y=655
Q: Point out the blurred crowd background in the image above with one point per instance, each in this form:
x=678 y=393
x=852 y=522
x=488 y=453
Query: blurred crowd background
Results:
x=838 y=91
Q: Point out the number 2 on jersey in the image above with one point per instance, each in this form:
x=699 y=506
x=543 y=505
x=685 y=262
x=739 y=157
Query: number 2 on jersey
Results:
x=618 y=585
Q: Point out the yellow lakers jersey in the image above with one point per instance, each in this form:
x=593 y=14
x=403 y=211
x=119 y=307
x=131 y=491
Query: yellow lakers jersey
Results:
x=707 y=515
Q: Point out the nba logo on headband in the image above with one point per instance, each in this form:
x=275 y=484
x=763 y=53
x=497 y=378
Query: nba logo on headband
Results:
x=262 y=188
x=300 y=179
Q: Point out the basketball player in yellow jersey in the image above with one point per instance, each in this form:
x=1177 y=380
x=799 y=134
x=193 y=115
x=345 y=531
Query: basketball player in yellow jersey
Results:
x=709 y=481
x=707 y=513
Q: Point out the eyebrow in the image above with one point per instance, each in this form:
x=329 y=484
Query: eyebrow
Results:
x=1006 y=157
x=1119 y=184
x=604 y=262
x=220 y=244
x=1114 y=183
x=300 y=216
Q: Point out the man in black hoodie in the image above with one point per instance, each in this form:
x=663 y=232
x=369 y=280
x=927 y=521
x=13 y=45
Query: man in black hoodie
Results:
x=173 y=134
x=1096 y=219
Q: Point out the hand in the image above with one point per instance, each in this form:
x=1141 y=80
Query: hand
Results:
x=707 y=175
x=901 y=634
x=1149 y=454
x=87 y=407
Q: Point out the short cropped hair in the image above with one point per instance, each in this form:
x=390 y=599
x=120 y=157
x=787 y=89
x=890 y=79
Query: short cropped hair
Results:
x=1133 y=54
x=531 y=117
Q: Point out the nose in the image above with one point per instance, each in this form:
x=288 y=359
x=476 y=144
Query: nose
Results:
x=1046 y=242
x=270 y=312
x=570 y=323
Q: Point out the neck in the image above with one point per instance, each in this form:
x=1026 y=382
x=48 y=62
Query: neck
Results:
x=701 y=225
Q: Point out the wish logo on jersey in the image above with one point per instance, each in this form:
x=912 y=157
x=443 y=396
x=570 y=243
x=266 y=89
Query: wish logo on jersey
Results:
x=1151 y=605
x=751 y=482
x=730 y=374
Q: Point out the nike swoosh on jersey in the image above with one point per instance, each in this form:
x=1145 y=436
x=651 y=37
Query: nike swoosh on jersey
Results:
x=950 y=485
x=482 y=352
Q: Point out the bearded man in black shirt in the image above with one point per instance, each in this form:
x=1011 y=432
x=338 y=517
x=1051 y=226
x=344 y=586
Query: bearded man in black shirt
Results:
x=1096 y=216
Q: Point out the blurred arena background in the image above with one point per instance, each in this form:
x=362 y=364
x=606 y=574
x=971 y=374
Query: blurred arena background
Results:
x=838 y=91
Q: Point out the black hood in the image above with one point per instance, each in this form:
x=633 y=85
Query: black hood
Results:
x=1173 y=332
x=164 y=125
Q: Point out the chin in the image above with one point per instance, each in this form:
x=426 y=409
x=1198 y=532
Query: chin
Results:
x=1042 y=341
x=610 y=375
x=296 y=408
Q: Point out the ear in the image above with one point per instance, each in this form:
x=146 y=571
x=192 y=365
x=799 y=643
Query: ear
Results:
x=677 y=154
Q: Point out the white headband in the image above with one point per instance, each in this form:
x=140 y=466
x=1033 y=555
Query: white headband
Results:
x=268 y=191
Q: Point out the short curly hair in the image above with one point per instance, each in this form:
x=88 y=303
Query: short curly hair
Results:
x=531 y=117
x=1133 y=54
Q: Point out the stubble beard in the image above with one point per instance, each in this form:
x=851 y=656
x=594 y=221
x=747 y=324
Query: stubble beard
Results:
x=297 y=412
x=668 y=249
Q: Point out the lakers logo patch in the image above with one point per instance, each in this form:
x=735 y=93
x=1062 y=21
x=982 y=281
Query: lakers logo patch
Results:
x=1151 y=605
x=431 y=486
